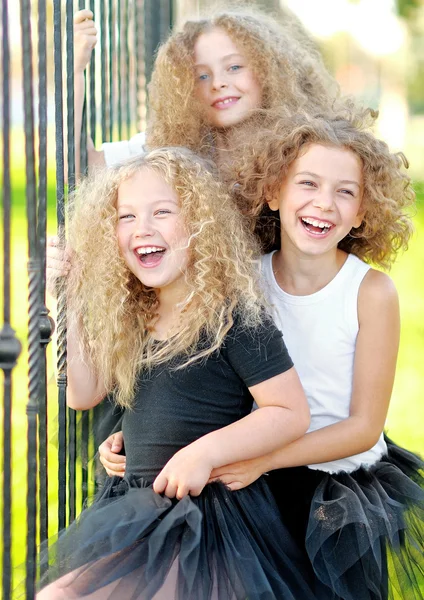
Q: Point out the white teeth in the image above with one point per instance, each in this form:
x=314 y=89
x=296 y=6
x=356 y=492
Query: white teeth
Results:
x=226 y=101
x=149 y=249
x=316 y=223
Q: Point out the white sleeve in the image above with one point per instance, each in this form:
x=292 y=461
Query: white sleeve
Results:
x=116 y=152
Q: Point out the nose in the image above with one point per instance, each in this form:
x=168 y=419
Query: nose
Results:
x=219 y=81
x=323 y=200
x=143 y=228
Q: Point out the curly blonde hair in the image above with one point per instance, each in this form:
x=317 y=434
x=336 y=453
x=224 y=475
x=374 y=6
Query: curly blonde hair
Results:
x=115 y=312
x=283 y=58
x=387 y=191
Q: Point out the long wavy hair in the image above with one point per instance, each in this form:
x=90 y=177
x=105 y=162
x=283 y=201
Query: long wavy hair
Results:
x=115 y=312
x=283 y=58
x=261 y=165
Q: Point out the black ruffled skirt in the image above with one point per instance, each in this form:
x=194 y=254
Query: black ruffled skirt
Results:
x=132 y=543
x=363 y=532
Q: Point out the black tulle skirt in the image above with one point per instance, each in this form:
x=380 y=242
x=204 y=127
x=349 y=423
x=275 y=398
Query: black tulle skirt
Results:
x=132 y=543
x=363 y=532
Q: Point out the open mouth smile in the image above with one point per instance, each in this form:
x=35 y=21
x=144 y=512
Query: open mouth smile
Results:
x=150 y=256
x=316 y=227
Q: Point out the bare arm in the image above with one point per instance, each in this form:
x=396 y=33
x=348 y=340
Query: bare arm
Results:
x=374 y=371
x=85 y=390
x=283 y=415
x=85 y=39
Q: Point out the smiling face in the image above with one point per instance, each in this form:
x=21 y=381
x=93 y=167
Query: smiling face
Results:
x=225 y=85
x=151 y=235
x=320 y=199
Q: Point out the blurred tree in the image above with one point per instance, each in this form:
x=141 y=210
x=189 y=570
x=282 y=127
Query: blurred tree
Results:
x=406 y=7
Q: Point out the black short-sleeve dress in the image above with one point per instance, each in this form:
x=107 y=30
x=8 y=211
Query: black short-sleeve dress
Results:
x=135 y=544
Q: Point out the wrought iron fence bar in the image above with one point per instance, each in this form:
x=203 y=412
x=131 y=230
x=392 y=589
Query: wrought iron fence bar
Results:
x=152 y=34
x=10 y=346
x=70 y=98
x=44 y=321
x=111 y=62
x=61 y=307
x=137 y=71
x=127 y=64
x=92 y=85
x=34 y=298
x=83 y=143
x=103 y=33
x=120 y=67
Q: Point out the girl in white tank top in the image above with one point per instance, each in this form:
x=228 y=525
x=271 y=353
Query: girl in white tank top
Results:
x=351 y=497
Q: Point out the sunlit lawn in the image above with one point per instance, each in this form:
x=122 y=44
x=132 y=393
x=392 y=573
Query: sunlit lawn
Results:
x=406 y=414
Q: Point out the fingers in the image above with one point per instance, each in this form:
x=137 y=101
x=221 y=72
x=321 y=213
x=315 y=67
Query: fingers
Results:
x=160 y=483
x=114 y=463
x=117 y=440
x=81 y=15
x=58 y=264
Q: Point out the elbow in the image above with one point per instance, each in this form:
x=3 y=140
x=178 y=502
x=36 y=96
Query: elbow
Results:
x=367 y=436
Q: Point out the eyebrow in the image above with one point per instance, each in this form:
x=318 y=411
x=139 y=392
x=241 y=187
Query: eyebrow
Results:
x=224 y=58
x=318 y=177
x=160 y=201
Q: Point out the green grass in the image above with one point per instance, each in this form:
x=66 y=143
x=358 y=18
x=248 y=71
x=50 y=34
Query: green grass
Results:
x=406 y=413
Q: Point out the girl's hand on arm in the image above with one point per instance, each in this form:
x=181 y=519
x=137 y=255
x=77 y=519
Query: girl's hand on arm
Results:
x=239 y=475
x=283 y=416
x=113 y=462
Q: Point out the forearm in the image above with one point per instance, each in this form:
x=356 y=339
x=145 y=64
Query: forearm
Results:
x=334 y=442
x=255 y=435
x=84 y=388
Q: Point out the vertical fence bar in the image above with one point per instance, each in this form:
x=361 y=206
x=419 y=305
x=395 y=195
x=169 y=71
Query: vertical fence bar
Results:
x=111 y=31
x=61 y=306
x=103 y=69
x=127 y=64
x=83 y=137
x=92 y=85
x=120 y=67
x=10 y=346
x=152 y=31
x=70 y=99
x=45 y=322
x=34 y=298
x=137 y=45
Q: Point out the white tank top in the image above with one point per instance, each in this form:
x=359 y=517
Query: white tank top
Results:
x=320 y=333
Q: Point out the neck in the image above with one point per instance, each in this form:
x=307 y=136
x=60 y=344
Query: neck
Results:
x=169 y=312
x=301 y=275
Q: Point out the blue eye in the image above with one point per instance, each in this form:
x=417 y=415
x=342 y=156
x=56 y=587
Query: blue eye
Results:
x=235 y=67
x=162 y=211
x=307 y=183
x=348 y=192
x=203 y=77
x=122 y=217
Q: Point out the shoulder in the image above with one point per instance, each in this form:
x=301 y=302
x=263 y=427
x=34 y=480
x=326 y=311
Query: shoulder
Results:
x=377 y=293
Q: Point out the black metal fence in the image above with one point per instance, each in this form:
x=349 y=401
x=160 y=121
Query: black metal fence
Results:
x=43 y=496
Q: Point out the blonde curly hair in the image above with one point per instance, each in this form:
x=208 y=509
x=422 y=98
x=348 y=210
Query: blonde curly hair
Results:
x=283 y=58
x=387 y=191
x=115 y=312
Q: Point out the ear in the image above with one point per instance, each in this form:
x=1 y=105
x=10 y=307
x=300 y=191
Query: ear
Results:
x=273 y=203
x=359 y=218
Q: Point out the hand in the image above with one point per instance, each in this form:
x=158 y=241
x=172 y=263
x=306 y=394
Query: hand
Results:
x=85 y=38
x=58 y=263
x=187 y=472
x=239 y=475
x=113 y=462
